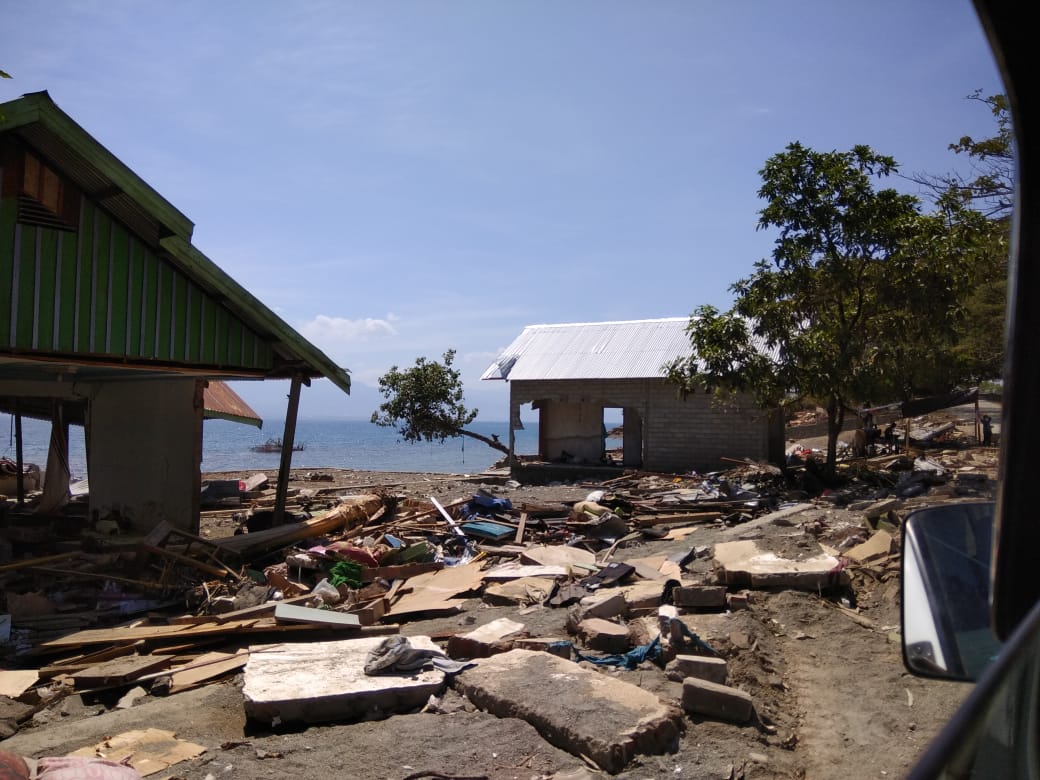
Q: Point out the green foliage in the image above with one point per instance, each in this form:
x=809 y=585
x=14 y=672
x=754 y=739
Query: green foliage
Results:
x=424 y=402
x=860 y=297
x=980 y=207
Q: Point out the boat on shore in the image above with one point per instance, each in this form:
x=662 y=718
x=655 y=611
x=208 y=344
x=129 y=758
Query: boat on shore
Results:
x=274 y=445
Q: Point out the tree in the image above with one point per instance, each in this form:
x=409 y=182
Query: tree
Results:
x=988 y=193
x=424 y=403
x=860 y=288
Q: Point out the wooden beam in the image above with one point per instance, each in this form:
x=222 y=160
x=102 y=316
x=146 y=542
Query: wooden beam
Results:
x=288 y=438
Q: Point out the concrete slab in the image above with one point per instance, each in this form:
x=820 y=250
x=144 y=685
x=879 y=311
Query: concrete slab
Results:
x=588 y=713
x=749 y=563
x=317 y=682
x=876 y=546
x=494 y=637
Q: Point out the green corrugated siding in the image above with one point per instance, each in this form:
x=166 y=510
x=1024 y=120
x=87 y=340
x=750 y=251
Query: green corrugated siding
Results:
x=84 y=274
x=101 y=291
x=164 y=308
x=207 y=348
x=99 y=283
x=118 y=273
x=8 y=217
x=25 y=286
x=134 y=287
x=45 y=299
x=66 y=292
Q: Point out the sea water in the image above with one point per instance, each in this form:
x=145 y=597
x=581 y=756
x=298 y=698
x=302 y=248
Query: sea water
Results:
x=331 y=443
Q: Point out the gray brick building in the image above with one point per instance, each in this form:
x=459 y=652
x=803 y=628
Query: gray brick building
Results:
x=572 y=374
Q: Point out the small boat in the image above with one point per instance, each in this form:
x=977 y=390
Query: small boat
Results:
x=274 y=445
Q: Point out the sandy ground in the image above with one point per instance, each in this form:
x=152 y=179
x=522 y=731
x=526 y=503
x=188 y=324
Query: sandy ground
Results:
x=831 y=690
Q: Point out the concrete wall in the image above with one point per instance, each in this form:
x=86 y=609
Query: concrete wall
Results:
x=574 y=429
x=677 y=434
x=143 y=451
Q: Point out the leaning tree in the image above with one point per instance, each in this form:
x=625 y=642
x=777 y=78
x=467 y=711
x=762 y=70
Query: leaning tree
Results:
x=424 y=403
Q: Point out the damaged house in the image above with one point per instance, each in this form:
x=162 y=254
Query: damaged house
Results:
x=574 y=374
x=110 y=318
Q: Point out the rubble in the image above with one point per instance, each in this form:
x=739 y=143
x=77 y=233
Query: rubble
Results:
x=298 y=606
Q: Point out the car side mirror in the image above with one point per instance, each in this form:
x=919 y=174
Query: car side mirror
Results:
x=946 y=571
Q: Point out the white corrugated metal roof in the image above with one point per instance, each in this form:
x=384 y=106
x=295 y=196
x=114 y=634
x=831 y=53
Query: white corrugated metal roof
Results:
x=637 y=349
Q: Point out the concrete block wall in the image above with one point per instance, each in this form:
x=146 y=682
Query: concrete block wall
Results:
x=678 y=434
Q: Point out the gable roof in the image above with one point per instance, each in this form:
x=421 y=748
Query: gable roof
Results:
x=634 y=349
x=104 y=179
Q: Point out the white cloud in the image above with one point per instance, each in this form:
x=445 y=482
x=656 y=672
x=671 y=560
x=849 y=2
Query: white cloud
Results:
x=332 y=332
x=368 y=376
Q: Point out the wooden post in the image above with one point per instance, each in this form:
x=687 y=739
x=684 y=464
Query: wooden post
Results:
x=19 y=461
x=288 y=439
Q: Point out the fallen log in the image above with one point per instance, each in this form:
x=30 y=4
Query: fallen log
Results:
x=352 y=512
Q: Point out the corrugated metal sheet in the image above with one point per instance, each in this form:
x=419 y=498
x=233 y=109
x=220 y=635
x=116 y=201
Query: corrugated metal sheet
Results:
x=101 y=291
x=220 y=402
x=636 y=349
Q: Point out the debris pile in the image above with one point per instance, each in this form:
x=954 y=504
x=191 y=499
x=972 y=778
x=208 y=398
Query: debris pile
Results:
x=315 y=613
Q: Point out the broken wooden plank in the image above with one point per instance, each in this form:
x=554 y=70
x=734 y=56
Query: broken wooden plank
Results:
x=30 y=563
x=206 y=667
x=120 y=670
x=519 y=538
x=291 y=613
x=643 y=521
x=400 y=571
x=150 y=633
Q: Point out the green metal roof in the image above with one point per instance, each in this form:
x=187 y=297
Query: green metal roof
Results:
x=123 y=317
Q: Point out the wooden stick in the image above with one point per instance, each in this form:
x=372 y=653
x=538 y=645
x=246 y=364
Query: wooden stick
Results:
x=519 y=538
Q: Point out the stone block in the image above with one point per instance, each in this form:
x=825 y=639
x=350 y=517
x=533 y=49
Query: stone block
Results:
x=700 y=596
x=604 y=605
x=720 y=702
x=702 y=667
x=643 y=597
x=738 y=601
x=878 y=545
x=491 y=638
x=589 y=713
x=603 y=635
x=882 y=507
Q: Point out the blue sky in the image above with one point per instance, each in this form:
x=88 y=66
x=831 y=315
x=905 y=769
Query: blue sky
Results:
x=399 y=178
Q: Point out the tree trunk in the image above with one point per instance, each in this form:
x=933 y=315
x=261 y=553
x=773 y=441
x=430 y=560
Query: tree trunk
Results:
x=493 y=443
x=835 y=422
